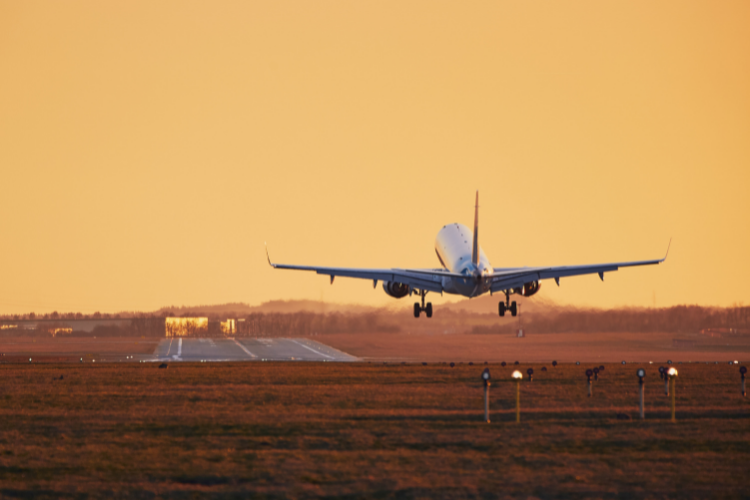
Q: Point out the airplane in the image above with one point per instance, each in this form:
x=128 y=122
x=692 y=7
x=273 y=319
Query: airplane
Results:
x=465 y=271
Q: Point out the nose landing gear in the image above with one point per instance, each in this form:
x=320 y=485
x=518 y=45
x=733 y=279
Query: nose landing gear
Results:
x=507 y=306
x=426 y=308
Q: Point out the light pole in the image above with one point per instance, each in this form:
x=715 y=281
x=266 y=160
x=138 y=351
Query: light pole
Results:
x=641 y=373
x=743 y=371
x=589 y=373
x=672 y=374
x=486 y=381
x=517 y=376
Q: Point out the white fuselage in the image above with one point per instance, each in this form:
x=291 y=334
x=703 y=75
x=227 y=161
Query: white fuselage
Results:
x=453 y=245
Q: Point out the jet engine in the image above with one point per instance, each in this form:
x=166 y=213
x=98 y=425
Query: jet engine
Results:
x=396 y=290
x=528 y=289
x=531 y=288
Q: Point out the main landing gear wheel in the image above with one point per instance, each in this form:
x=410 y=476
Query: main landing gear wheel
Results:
x=419 y=308
x=507 y=306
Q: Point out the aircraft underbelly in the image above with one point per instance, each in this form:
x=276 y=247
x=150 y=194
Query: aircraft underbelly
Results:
x=453 y=245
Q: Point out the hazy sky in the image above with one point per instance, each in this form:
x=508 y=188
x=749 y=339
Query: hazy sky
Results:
x=148 y=149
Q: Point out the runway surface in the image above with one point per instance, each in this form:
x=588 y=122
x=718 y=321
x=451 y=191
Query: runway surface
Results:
x=245 y=349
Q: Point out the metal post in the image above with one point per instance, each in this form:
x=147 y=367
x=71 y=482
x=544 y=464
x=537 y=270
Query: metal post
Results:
x=487 y=402
x=666 y=385
x=589 y=382
x=673 y=391
x=743 y=371
x=518 y=401
x=643 y=413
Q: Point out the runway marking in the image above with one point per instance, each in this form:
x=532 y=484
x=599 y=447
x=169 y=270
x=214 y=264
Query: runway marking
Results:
x=313 y=350
x=179 y=350
x=170 y=346
x=244 y=348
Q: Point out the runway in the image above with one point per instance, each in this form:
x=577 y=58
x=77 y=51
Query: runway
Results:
x=246 y=349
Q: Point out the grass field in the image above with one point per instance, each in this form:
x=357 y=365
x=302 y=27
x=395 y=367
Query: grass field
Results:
x=303 y=430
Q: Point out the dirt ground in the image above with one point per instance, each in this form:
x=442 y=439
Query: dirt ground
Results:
x=59 y=349
x=563 y=347
x=372 y=430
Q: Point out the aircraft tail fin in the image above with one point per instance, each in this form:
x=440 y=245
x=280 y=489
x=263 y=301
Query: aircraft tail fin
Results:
x=475 y=249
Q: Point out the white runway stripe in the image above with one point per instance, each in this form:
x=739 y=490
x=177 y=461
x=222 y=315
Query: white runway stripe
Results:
x=313 y=350
x=244 y=349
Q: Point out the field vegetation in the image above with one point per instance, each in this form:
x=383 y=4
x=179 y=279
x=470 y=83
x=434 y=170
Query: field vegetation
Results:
x=375 y=430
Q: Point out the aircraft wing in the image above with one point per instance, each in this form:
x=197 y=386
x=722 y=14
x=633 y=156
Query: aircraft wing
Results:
x=421 y=279
x=505 y=279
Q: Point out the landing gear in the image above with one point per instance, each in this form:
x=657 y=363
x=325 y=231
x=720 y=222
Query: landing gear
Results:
x=507 y=306
x=426 y=308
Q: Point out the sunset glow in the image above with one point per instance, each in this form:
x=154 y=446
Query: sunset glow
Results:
x=148 y=149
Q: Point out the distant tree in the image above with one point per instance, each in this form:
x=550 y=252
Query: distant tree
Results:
x=97 y=315
x=32 y=315
x=79 y=315
x=55 y=315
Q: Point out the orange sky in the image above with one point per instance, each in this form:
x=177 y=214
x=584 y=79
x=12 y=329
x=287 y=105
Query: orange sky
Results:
x=148 y=149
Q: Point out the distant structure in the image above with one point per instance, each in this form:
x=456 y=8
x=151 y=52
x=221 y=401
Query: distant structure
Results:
x=196 y=327
x=185 y=327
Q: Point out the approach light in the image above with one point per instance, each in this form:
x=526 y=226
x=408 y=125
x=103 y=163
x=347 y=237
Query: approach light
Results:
x=589 y=373
x=672 y=372
x=641 y=373
x=743 y=370
x=669 y=361
x=601 y=368
x=486 y=375
x=623 y=362
x=530 y=371
x=502 y=364
x=554 y=363
x=517 y=375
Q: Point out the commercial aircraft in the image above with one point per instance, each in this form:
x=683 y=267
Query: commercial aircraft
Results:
x=465 y=271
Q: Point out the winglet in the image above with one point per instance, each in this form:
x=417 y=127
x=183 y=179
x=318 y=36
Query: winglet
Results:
x=475 y=249
x=269 y=257
x=665 y=255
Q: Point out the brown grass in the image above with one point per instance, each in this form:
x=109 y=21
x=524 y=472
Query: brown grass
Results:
x=372 y=430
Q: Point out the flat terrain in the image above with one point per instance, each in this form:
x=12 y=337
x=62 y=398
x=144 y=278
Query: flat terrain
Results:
x=245 y=349
x=304 y=430
x=564 y=347
x=430 y=346
x=69 y=349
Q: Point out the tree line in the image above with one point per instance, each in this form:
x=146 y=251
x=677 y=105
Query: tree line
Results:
x=677 y=319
